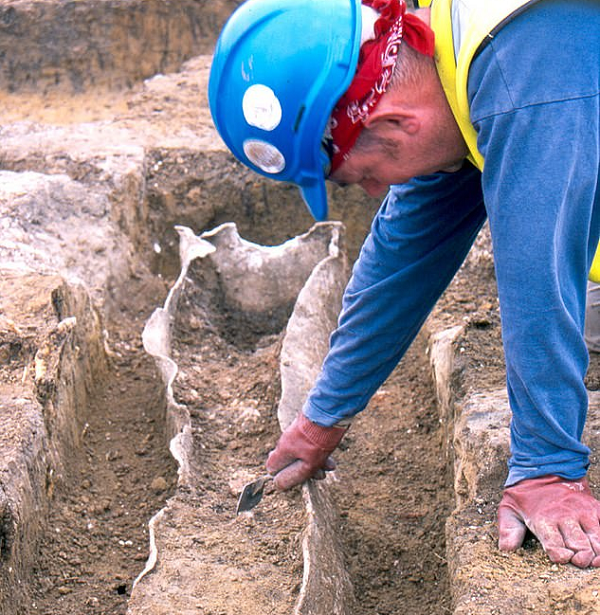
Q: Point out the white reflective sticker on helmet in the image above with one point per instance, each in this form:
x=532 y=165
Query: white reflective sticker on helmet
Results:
x=261 y=107
x=369 y=17
x=264 y=155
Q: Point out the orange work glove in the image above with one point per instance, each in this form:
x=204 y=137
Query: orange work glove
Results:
x=303 y=452
x=563 y=515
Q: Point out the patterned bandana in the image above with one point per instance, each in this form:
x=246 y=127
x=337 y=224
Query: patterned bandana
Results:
x=376 y=62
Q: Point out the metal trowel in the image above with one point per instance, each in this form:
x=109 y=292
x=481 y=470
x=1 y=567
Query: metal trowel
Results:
x=252 y=494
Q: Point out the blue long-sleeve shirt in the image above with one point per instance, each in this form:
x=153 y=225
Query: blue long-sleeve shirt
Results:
x=534 y=101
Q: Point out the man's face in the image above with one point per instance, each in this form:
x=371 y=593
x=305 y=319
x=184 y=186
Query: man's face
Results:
x=393 y=155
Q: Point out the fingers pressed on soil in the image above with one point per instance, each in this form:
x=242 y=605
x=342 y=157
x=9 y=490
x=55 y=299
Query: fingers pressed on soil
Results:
x=592 y=529
x=577 y=541
x=553 y=542
x=558 y=555
x=583 y=559
x=574 y=536
x=511 y=530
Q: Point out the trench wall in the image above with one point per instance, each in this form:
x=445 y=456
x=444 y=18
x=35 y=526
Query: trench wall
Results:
x=74 y=46
x=51 y=351
x=469 y=375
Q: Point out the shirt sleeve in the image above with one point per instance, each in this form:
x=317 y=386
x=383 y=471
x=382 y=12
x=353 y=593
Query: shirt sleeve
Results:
x=537 y=118
x=418 y=240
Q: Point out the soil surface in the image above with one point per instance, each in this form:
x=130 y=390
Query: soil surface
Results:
x=97 y=539
x=392 y=486
x=394 y=495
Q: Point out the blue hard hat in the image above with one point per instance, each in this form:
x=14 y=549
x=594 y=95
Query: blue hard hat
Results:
x=278 y=69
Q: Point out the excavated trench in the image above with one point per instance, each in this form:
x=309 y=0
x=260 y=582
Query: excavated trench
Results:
x=244 y=327
x=237 y=344
x=163 y=312
x=148 y=367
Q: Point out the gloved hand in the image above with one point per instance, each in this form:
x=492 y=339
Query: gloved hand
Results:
x=563 y=515
x=303 y=452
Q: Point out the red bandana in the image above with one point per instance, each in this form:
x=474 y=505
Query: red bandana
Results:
x=376 y=62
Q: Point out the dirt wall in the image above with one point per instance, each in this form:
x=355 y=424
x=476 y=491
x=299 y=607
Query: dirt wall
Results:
x=51 y=350
x=112 y=43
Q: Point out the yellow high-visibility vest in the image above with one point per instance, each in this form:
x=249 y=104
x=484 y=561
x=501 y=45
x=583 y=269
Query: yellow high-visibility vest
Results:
x=461 y=27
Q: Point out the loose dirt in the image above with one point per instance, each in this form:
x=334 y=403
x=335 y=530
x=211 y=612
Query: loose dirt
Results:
x=392 y=485
x=97 y=537
x=394 y=495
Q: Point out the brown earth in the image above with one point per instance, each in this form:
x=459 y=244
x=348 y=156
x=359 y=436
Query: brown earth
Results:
x=394 y=495
x=97 y=537
x=393 y=485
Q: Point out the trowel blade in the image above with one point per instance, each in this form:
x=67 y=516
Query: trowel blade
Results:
x=252 y=494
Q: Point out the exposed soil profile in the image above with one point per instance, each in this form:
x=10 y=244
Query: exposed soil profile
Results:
x=97 y=538
x=391 y=485
x=151 y=150
x=394 y=495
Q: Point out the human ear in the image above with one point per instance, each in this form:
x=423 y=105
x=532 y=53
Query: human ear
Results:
x=392 y=121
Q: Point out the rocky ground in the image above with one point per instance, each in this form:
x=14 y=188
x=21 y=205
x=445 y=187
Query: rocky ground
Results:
x=97 y=167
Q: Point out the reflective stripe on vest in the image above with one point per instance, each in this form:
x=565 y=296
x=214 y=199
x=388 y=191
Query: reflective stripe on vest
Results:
x=461 y=27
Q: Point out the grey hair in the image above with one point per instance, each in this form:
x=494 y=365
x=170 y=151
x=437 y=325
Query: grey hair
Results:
x=410 y=68
x=409 y=71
